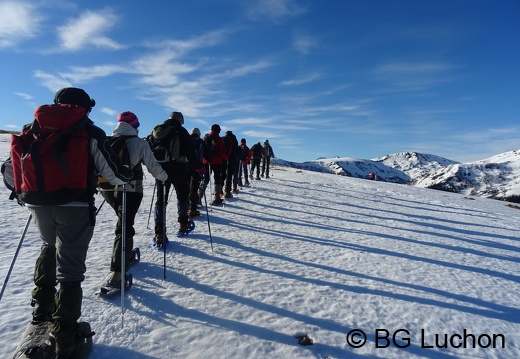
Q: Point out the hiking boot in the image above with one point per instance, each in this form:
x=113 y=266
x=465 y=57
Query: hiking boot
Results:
x=257 y=178
x=217 y=202
x=41 y=312
x=158 y=240
x=183 y=229
x=114 y=280
x=228 y=195
x=247 y=183
x=194 y=213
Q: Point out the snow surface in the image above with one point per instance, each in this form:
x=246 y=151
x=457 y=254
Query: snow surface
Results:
x=301 y=253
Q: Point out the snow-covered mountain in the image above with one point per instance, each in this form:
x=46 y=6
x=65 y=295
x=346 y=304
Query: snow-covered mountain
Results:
x=496 y=177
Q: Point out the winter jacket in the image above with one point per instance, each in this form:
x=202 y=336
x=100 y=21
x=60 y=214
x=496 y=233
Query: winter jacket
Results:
x=198 y=146
x=187 y=150
x=268 y=150
x=221 y=154
x=247 y=160
x=139 y=152
x=257 y=151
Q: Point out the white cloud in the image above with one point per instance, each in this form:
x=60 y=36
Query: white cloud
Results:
x=413 y=77
x=51 y=82
x=304 y=43
x=78 y=74
x=88 y=30
x=109 y=111
x=24 y=95
x=301 y=80
x=275 y=9
x=18 y=21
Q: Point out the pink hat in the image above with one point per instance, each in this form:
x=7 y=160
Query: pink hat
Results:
x=128 y=117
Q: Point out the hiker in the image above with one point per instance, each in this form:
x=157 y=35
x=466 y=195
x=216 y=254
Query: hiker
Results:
x=137 y=152
x=63 y=210
x=197 y=187
x=173 y=157
x=215 y=155
x=245 y=160
x=256 y=157
x=232 y=163
x=266 y=158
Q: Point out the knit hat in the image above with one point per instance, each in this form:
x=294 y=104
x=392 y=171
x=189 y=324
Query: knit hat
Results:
x=177 y=116
x=128 y=117
x=195 y=131
x=74 y=96
x=243 y=141
x=215 y=128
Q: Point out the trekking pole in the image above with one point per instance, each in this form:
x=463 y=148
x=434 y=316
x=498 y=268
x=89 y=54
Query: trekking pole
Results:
x=164 y=229
x=123 y=256
x=210 y=188
x=151 y=204
x=101 y=206
x=209 y=227
x=15 y=255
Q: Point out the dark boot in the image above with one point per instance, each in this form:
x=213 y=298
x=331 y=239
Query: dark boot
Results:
x=65 y=327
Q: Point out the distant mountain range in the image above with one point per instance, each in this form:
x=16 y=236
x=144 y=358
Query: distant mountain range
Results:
x=497 y=177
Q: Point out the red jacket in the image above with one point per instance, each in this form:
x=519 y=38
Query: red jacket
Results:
x=221 y=155
x=248 y=154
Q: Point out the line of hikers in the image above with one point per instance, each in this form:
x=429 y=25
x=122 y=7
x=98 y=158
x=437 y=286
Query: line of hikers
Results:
x=61 y=159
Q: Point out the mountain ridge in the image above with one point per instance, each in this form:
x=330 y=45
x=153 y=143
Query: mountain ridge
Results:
x=496 y=177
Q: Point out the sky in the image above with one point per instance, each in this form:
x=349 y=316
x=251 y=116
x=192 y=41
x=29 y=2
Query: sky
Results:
x=303 y=253
x=318 y=79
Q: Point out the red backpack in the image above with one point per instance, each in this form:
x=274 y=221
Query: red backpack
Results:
x=50 y=159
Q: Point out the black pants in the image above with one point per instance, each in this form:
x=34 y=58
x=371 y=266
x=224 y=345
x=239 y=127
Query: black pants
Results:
x=195 y=183
x=265 y=166
x=178 y=175
x=255 y=164
x=133 y=201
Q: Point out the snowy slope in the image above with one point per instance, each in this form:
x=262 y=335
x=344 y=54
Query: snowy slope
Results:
x=301 y=253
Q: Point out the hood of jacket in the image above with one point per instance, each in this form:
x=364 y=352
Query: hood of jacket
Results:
x=124 y=129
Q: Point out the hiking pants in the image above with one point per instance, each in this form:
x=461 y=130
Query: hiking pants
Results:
x=178 y=176
x=66 y=232
x=265 y=165
x=255 y=164
x=133 y=201
x=243 y=171
x=195 y=183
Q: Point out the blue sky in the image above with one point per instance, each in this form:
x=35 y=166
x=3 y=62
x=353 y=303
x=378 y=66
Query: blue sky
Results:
x=317 y=78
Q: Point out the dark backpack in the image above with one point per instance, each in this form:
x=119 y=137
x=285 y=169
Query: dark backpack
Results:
x=243 y=153
x=209 y=147
x=231 y=145
x=164 y=142
x=50 y=158
x=7 y=174
x=120 y=148
x=257 y=150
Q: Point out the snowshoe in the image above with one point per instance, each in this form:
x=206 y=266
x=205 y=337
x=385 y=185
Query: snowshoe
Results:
x=186 y=229
x=112 y=288
x=194 y=213
x=157 y=242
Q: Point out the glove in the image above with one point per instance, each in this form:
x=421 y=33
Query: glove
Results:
x=201 y=171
